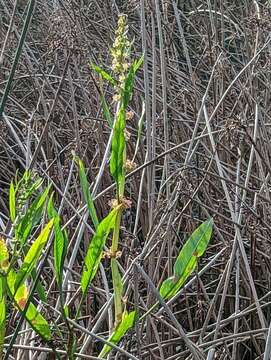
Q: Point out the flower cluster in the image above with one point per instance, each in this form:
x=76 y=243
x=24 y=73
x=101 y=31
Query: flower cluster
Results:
x=120 y=53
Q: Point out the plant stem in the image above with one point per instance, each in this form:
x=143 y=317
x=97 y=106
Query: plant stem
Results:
x=116 y=277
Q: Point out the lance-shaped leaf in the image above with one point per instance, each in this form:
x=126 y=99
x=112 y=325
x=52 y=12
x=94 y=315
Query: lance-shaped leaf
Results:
x=12 y=202
x=2 y=315
x=129 y=82
x=106 y=110
x=95 y=250
x=60 y=242
x=186 y=261
x=39 y=287
x=127 y=322
x=118 y=152
x=32 y=216
x=118 y=289
x=33 y=254
x=103 y=73
x=86 y=192
x=4 y=256
x=31 y=314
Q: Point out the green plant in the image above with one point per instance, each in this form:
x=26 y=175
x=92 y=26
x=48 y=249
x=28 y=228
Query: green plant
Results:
x=187 y=259
x=123 y=80
x=26 y=204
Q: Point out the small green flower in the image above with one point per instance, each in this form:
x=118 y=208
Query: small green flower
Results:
x=120 y=56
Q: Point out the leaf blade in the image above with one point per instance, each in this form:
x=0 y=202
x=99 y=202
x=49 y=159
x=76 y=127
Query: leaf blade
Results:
x=86 y=193
x=103 y=73
x=12 y=202
x=126 y=324
x=33 y=254
x=20 y=298
x=32 y=217
x=60 y=242
x=118 y=151
x=186 y=261
x=95 y=249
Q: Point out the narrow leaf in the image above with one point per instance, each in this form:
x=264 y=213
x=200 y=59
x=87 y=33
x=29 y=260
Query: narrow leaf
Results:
x=103 y=73
x=32 y=315
x=118 y=289
x=4 y=256
x=95 y=250
x=39 y=288
x=118 y=151
x=86 y=192
x=32 y=216
x=186 y=261
x=12 y=202
x=33 y=254
x=60 y=242
x=127 y=323
x=106 y=111
x=2 y=315
x=137 y=64
x=129 y=82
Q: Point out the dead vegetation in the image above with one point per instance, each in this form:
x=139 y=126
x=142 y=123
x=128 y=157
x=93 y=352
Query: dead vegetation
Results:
x=204 y=151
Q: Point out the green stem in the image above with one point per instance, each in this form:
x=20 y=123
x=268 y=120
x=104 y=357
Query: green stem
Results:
x=115 y=240
x=116 y=277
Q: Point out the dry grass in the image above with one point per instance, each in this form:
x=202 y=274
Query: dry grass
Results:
x=205 y=151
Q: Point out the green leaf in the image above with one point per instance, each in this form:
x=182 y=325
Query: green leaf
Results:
x=33 y=254
x=186 y=261
x=103 y=73
x=95 y=250
x=2 y=315
x=32 y=315
x=127 y=323
x=118 y=152
x=4 y=256
x=106 y=111
x=32 y=217
x=194 y=248
x=86 y=192
x=129 y=82
x=66 y=310
x=12 y=202
x=118 y=288
x=39 y=288
x=137 y=64
x=60 y=242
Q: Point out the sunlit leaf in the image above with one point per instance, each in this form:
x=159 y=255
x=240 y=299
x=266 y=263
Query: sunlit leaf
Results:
x=12 y=202
x=4 y=255
x=86 y=192
x=95 y=250
x=128 y=321
x=31 y=315
x=2 y=315
x=33 y=254
x=186 y=261
x=32 y=216
x=60 y=242
x=118 y=152
x=103 y=73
